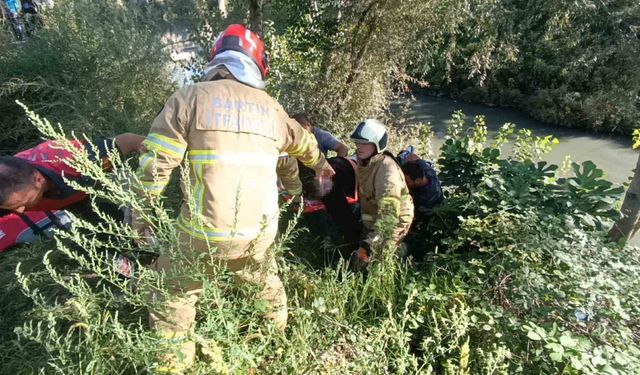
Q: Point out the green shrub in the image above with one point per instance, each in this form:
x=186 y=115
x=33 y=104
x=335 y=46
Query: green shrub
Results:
x=563 y=62
x=95 y=66
x=518 y=279
x=527 y=252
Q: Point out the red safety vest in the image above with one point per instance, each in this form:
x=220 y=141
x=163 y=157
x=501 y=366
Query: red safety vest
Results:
x=22 y=228
x=50 y=160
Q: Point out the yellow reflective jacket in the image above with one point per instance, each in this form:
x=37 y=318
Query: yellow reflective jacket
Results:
x=231 y=135
x=384 y=200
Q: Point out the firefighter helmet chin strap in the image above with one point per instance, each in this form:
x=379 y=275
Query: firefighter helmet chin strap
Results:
x=241 y=66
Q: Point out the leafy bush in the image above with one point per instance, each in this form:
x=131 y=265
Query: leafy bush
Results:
x=563 y=62
x=94 y=66
x=519 y=280
x=528 y=254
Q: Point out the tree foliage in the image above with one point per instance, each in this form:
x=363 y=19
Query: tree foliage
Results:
x=94 y=66
x=565 y=62
x=517 y=275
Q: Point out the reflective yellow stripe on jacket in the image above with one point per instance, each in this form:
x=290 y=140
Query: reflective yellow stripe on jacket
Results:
x=307 y=141
x=147 y=164
x=165 y=145
x=198 y=160
x=249 y=159
x=157 y=146
x=215 y=234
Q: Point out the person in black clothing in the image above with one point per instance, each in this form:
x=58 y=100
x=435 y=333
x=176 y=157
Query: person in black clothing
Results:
x=340 y=211
x=340 y=216
x=29 y=6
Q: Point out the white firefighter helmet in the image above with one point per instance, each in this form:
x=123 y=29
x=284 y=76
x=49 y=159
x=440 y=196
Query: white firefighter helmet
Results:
x=371 y=131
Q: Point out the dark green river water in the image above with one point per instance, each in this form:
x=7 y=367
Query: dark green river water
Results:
x=612 y=153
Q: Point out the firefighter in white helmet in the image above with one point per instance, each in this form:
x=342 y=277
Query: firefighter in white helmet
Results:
x=384 y=197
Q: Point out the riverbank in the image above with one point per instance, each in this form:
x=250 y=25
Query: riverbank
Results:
x=610 y=152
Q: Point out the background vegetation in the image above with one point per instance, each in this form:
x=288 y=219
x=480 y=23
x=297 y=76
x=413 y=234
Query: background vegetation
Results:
x=516 y=274
x=95 y=67
x=569 y=63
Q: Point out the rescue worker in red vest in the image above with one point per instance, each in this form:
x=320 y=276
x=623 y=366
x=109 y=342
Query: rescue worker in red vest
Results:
x=33 y=188
x=232 y=132
x=385 y=200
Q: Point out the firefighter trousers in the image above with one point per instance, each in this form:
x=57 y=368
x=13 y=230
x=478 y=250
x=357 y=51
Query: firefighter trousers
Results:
x=175 y=320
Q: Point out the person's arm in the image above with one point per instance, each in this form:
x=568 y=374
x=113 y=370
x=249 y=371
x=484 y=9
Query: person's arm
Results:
x=129 y=143
x=287 y=171
x=303 y=146
x=100 y=149
x=327 y=141
x=162 y=150
x=341 y=149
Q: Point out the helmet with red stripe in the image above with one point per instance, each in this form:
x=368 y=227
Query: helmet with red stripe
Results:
x=238 y=38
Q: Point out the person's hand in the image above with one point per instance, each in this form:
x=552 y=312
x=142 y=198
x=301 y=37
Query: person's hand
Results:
x=129 y=143
x=145 y=232
x=326 y=172
x=412 y=157
x=359 y=260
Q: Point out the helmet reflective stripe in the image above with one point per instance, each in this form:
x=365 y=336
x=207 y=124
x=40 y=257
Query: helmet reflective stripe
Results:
x=371 y=131
x=247 y=36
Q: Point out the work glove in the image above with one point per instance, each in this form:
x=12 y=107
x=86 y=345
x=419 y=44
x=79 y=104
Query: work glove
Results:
x=145 y=232
x=297 y=199
x=128 y=216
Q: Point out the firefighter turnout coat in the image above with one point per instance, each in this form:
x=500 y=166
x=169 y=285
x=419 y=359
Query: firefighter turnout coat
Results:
x=385 y=201
x=231 y=135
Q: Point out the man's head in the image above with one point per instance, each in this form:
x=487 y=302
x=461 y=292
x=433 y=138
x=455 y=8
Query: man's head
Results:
x=303 y=120
x=242 y=53
x=414 y=175
x=22 y=186
x=370 y=137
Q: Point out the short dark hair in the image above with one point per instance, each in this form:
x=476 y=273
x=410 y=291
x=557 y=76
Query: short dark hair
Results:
x=413 y=170
x=15 y=174
x=302 y=118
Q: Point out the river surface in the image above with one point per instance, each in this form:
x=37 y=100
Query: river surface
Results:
x=611 y=153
